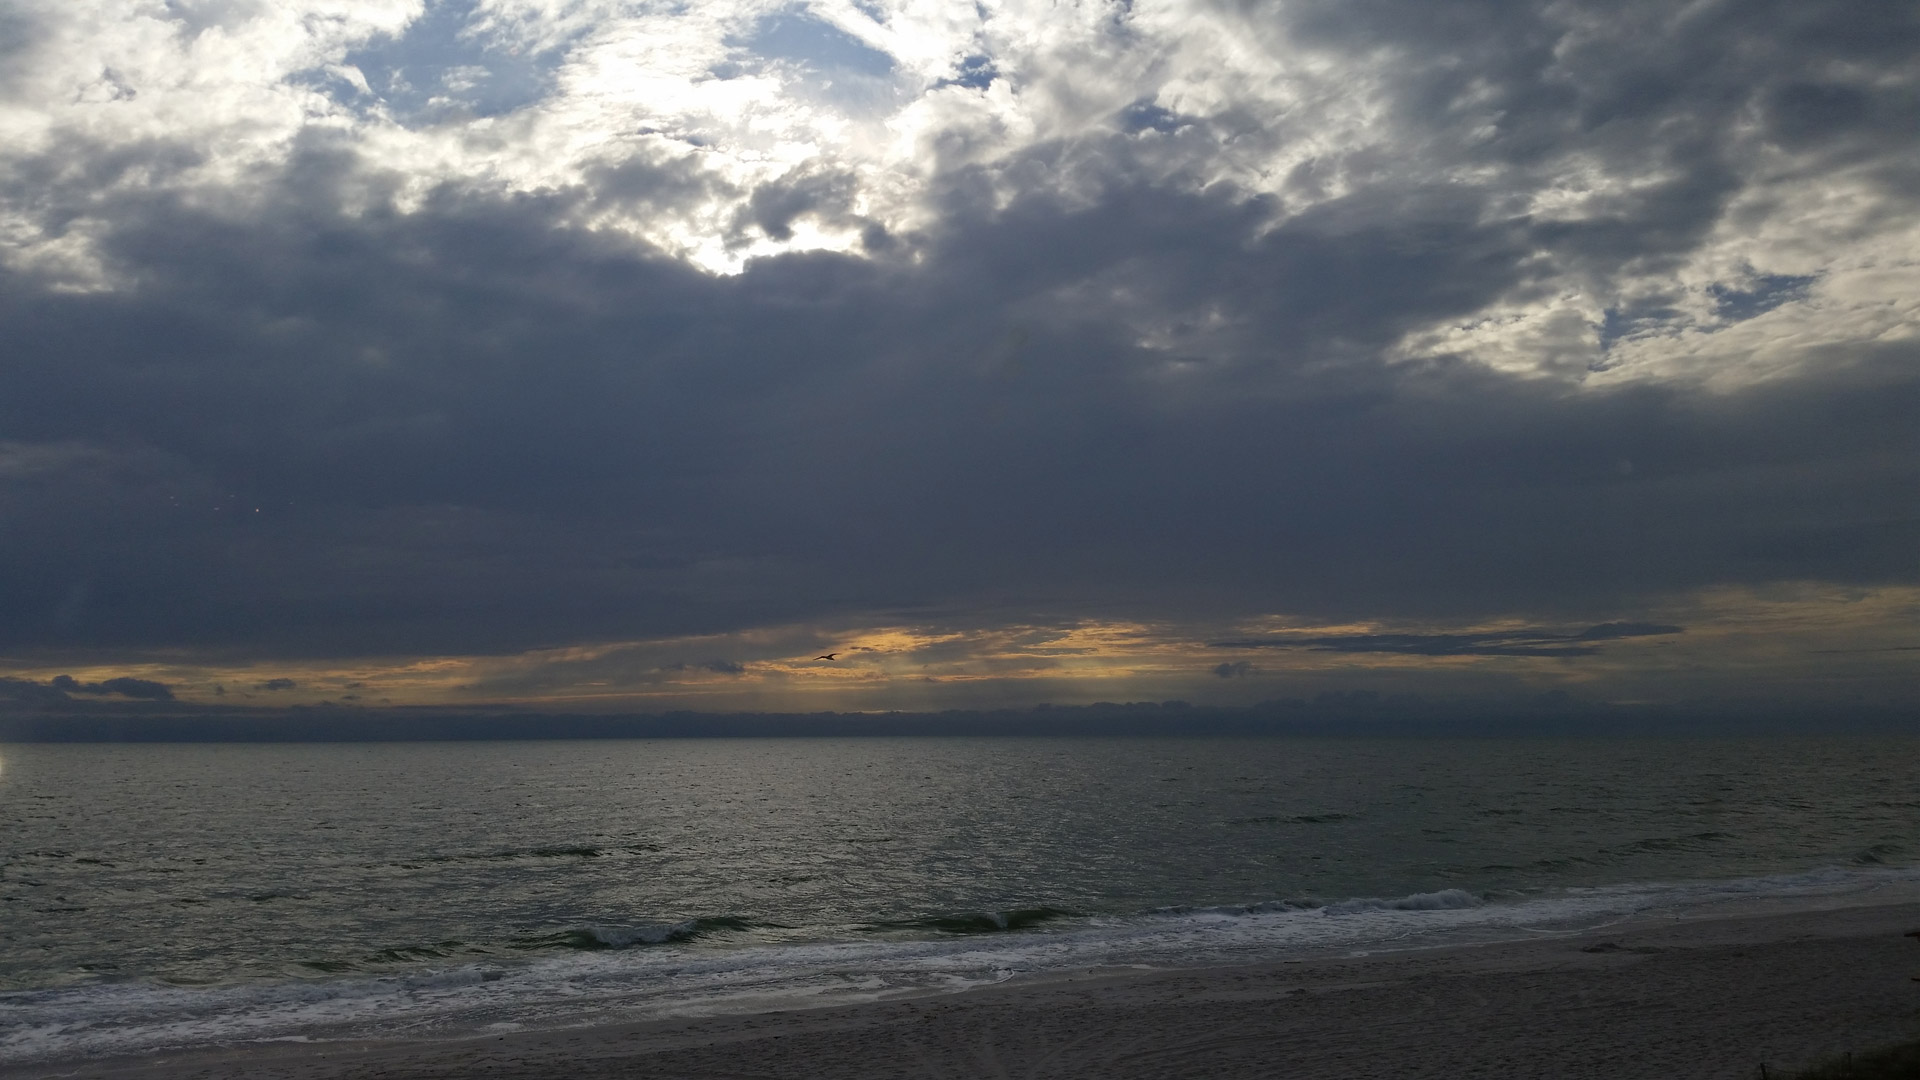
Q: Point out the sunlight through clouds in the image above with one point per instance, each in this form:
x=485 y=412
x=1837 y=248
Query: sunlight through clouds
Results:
x=596 y=350
x=726 y=131
x=1735 y=643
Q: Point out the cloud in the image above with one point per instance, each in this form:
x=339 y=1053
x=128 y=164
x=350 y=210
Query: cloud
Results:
x=1375 y=312
x=834 y=434
x=1617 y=630
x=139 y=689
x=25 y=692
x=277 y=684
x=1531 y=642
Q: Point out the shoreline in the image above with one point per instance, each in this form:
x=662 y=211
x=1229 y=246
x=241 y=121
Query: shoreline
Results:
x=1699 y=995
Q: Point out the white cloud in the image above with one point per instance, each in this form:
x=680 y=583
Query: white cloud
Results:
x=901 y=95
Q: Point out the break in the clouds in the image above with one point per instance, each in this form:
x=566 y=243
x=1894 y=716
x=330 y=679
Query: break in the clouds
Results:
x=530 y=349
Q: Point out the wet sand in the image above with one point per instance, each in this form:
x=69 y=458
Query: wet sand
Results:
x=1701 y=997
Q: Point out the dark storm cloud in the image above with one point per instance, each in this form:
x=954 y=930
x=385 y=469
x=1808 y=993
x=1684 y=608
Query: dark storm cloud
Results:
x=774 y=207
x=461 y=456
x=140 y=689
x=479 y=426
x=26 y=692
x=1500 y=643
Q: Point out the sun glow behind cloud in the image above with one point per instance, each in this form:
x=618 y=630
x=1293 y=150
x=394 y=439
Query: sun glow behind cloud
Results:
x=1777 y=644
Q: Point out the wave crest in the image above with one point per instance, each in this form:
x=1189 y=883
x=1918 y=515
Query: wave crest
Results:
x=1444 y=900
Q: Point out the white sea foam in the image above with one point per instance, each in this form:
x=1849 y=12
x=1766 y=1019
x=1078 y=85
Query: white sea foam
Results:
x=1444 y=900
x=682 y=980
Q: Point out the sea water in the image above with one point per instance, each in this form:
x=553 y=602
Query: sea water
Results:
x=174 y=895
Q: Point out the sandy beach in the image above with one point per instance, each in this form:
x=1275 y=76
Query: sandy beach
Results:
x=1706 y=996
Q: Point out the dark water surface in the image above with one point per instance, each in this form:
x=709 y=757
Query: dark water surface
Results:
x=178 y=892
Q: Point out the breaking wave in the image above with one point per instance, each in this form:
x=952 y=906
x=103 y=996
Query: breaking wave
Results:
x=607 y=973
x=1444 y=900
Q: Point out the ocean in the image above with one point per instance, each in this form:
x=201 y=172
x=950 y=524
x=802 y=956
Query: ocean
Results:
x=178 y=895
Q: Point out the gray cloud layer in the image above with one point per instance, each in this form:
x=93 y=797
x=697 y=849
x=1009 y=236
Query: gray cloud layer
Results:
x=1529 y=642
x=320 y=424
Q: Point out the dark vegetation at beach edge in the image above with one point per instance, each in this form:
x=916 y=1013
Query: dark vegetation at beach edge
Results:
x=1350 y=714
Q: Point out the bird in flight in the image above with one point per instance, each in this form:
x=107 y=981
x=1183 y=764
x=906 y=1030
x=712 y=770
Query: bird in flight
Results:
x=828 y=656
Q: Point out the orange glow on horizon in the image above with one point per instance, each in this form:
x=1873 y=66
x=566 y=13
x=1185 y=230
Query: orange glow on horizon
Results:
x=1729 y=632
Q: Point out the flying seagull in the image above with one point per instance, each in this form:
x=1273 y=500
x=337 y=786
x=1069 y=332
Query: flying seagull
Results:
x=828 y=656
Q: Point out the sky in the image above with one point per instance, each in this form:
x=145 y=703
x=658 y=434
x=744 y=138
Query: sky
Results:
x=598 y=355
